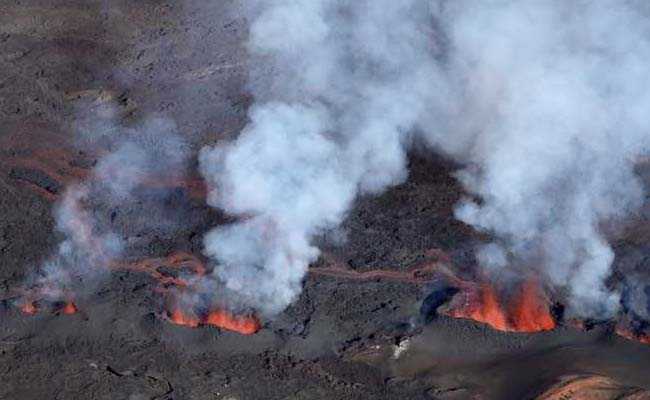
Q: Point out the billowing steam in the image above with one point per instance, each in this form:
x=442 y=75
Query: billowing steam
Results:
x=563 y=124
x=544 y=102
x=89 y=245
x=334 y=121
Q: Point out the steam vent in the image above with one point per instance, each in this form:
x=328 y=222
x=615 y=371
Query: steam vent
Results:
x=324 y=200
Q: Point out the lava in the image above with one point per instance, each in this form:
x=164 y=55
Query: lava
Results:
x=29 y=308
x=193 y=268
x=526 y=310
x=69 y=308
x=246 y=325
x=178 y=317
x=531 y=313
x=177 y=274
x=242 y=324
x=485 y=309
x=490 y=311
x=434 y=266
x=178 y=261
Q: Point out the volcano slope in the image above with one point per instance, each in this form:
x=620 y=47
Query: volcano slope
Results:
x=362 y=328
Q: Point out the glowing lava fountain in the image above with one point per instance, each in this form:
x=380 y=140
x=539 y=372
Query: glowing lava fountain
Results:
x=526 y=311
x=243 y=324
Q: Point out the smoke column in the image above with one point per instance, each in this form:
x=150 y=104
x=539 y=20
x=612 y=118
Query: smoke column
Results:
x=557 y=120
x=89 y=245
x=542 y=101
x=325 y=128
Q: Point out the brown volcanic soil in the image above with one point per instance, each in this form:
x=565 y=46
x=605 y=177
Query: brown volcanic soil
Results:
x=355 y=333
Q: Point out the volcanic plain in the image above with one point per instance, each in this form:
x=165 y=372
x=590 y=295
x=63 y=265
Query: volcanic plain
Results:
x=371 y=320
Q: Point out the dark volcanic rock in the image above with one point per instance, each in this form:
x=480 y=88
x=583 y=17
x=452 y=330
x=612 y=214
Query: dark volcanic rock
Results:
x=36 y=177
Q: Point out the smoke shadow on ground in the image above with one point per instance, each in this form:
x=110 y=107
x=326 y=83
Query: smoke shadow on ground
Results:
x=517 y=366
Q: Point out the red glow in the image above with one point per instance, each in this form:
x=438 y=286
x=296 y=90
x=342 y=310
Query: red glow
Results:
x=28 y=308
x=531 y=311
x=70 y=308
x=527 y=311
x=246 y=325
x=179 y=318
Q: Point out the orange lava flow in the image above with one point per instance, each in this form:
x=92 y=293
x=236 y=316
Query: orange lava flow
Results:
x=69 y=308
x=28 y=308
x=531 y=313
x=245 y=325
x=179 y=318
x=527 y=311
x=490 y=311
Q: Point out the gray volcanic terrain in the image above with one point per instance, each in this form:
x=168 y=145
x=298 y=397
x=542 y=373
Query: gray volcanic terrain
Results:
x=365 y=326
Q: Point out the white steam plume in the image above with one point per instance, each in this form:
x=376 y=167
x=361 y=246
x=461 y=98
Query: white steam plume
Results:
x=562 y=121
x=327 y=128
x=543 y=101
x=89 y=246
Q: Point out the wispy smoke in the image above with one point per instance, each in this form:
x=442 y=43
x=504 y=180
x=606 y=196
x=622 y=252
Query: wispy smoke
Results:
x=543 y=101
x=90 y=245
x=83 y=252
